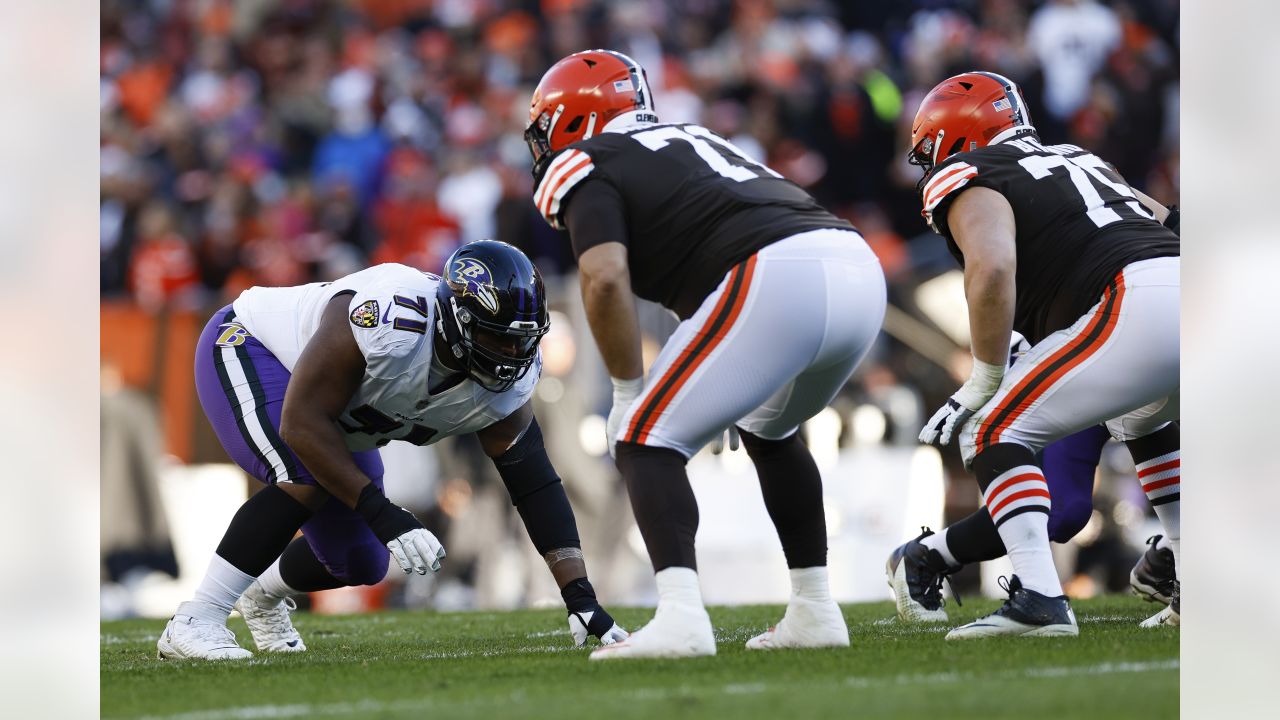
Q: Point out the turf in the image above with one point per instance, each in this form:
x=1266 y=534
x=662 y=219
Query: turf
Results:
x=522 y=664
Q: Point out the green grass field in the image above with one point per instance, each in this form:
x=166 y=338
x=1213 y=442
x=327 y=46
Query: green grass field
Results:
x=523 y=664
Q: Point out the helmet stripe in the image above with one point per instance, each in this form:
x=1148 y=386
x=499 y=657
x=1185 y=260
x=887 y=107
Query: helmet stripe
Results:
x=1020 y=116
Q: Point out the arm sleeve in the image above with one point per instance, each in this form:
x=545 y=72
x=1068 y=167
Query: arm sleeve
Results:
x=596 y=216
x=537 y=493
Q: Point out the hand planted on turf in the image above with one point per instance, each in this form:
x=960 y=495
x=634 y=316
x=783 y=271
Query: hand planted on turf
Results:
x=734 y=440
x=595 y=623
x=981 y=386
x=417 y=550
x=625 y=393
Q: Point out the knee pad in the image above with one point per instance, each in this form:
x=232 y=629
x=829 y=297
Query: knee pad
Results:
x=365 y=565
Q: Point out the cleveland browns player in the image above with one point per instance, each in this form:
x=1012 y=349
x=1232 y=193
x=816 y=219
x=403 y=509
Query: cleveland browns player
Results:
x=778 y=300
x=1057 y=246
x=302 y=386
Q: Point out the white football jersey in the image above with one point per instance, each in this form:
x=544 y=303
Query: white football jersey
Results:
x=392 y=314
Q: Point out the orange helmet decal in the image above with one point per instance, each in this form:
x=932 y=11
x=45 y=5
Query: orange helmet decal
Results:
x=966 y=112
x=579 y=96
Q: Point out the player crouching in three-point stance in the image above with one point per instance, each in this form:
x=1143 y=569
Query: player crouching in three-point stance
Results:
x=1055 y=245
x=779 y=300
x=303 y=384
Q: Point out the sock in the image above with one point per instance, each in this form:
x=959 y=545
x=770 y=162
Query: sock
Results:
x=810 y=583
x=1158 y=459
x=665 y=508
x=792 y=489
x=222 y=585
x=938 y=541
x=258 y=533
x=273 y=585
x=678 y=586
x=1016 y=496
x=301 y=571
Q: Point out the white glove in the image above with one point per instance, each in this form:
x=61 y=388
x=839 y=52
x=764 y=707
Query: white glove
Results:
x=625 y=393
x=579 y=621
x=418 y=550
x=734 y=441
x=981 y=386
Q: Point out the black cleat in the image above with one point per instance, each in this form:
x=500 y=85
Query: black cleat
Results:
x=915 y=573
x=1153 y=578
x=1026 y=613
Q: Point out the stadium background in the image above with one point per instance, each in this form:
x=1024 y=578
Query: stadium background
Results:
x=279 y=142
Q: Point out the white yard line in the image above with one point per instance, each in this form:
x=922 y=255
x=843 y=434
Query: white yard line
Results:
x=271 y=712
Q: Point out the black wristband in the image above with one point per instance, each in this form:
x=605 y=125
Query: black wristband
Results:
x=579 y=596
x=1174 y=220
x=387 y=520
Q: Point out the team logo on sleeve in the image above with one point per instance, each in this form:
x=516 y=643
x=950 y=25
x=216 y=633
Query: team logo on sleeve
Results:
x=233 y=335
x=471 y=277
x=365 y=316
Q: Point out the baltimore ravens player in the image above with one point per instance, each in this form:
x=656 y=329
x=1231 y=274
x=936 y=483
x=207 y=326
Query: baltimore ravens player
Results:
x=303 y=384
x=1056 y=246
x=779 y=301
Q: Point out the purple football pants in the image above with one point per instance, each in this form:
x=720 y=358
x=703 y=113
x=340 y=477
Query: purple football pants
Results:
x=241 y=387
x=1069 y=466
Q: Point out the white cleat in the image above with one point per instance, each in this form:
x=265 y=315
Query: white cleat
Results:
x=268 y=620
x=806 y=624
x=1171 y=615
x=1167 y=617
x=186 y=637
x=676 y=631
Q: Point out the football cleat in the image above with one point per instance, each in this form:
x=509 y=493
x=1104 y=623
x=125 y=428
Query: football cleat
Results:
x=676 y=631
x=186 y=637
x=915 y=573
x=806 y=624
x=1170 y=616
x=1026 y=613
x=268 y=620
x=1153 y=578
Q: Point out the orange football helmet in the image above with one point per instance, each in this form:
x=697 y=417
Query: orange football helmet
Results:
x=581 y=94
x=964 y=113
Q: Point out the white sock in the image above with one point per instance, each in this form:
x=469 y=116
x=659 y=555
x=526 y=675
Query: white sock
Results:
x=938 y=541
x=678 y=586
x=810 y=584
x=1026 y=537
x=222 y=585
x=273 y=585
x=1018 y=500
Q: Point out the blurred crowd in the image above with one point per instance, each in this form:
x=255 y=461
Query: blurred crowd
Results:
x=278 y=142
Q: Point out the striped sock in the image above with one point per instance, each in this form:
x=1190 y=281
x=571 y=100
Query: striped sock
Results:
x=1017 y=498
x=1158 y=458
x=1161 y=479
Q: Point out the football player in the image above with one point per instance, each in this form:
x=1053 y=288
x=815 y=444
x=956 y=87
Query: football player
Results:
x=778 y=300
x=1056 y=246
x=915 y=570
x=303 y=384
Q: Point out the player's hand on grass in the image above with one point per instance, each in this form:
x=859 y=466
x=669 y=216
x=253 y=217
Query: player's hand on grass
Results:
x=981 y=386
x=417 y=550
x=595 y=623
x=586 y=617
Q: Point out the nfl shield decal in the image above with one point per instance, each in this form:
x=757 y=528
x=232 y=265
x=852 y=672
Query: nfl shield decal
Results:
x=365 y=316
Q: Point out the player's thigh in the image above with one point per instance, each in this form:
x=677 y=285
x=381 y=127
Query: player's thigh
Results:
x=241 y=388
x=1121 y=356
x=1146 y=419
x=737 y=351
x=854 y=312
